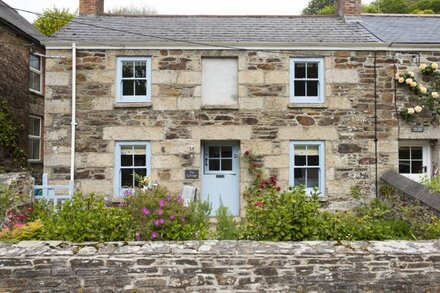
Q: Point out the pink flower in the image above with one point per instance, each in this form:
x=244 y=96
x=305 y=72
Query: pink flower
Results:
x=153 y=235
x=146 y=211
x=156 y=222
x=161 y=221
x=172 y=217
x=259 y=204
x=128 y=192
x=160 y=212
x=180 y=198
x=161 y=203
x=169 y=197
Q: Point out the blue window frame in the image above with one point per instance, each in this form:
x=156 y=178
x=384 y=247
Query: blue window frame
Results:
x=131 y=157
x=307 y=165
x=133 y=80
x=307 y=80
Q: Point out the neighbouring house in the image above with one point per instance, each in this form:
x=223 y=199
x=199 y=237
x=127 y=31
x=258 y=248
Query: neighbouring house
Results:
x=22 y=87
x=181 y=98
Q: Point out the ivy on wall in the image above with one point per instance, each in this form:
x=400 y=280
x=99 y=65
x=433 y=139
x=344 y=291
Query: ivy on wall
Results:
x=10 y=135
x=428 y=97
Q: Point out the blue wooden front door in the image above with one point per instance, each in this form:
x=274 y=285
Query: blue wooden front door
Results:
x=220 y=175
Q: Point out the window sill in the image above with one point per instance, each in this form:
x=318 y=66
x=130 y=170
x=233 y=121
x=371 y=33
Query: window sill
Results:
x=307 y=105
x=36 y=93
x=220 y=107
x=35 y=161
x=133 y=105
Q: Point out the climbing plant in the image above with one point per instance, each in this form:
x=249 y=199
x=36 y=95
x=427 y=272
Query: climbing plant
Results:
x=9 y=135
x=428 y=96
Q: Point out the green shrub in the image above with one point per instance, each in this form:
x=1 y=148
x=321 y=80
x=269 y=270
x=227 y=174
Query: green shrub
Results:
x=160 y=215
x=433 y=183
x=226 y=228
x=84 y=218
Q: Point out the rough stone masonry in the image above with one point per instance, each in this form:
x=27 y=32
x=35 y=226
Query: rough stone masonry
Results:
x=221 y=266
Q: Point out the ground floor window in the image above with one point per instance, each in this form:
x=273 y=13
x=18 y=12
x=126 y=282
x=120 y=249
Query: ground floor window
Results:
x=132 y=158
x=415 y=159
x=307 y=165
x=34 y=138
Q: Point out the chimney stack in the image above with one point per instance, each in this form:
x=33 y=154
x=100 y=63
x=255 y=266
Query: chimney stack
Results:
x=91 y=7
x=348 y=8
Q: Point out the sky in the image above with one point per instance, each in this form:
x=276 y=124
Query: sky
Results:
x=228 y=7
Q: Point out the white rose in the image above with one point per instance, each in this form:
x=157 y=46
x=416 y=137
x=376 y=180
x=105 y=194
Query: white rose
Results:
x=422 y=66
x=411 y=73
x=401 y=80
x=423 y=90
x=413 y=84
x=397 y=75
x=408 y=81
x=418 y=109
x=410 y=110
x=434 y=66
x=435 y=95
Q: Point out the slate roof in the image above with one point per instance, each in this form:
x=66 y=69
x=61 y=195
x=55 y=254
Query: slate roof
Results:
x=231 y=29
x=18 y=22
x=404 y=28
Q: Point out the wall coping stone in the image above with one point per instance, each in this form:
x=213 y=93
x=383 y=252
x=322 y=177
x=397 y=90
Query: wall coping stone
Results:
x=213 y=247
x=413 y=189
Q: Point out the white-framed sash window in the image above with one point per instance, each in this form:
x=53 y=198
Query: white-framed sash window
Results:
x=35 y=73
x=133 y=79
x=34 y=138
x=307 y=80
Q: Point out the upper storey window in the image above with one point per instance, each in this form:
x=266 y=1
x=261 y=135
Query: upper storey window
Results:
x=133 y=79
x=306 y=80
x=35 y=73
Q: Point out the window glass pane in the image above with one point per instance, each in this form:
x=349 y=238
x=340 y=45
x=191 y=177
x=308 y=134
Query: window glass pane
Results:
x=34 y=81
x=312 y=177
x=128 y=87
x=312 y=88
x=403 y=153
x=300 y=88
x=404 y=167
x=127 y=69
x=34 y=149
x=300 y=155
x=214 y=152
x=127 y=178
x=299 y=176
x=140 y=69
x=416 y=153
x=126 y=156
x=226 y=152
x=35 y=62
x=141 y=87
x=214 y=165
x=140 y=160
x=300 y=70
x=312 y=70
x=416 y=167
x=227 y=165
x=313 y=160
x=36 y=127
x=140 y=172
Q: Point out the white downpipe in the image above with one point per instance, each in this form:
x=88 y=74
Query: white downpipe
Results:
x=73 y=124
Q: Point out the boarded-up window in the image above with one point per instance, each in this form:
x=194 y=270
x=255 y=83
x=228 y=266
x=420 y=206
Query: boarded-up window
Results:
x=219 y=81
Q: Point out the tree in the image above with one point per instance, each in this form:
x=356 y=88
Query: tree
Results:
x=133 y=10
x=403 y=6
x=53 y=20
x=315 y=6
x=328 y=10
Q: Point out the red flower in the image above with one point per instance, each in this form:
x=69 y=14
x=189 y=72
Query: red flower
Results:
x=247 y=153
x=278 y=188
x=254 y=165
x=273 y=179
x=29 y=210
x=258 y=175
x=259 y=204
x=262 y=186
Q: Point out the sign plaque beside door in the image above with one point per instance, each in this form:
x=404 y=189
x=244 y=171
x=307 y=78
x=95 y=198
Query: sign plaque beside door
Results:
x=191 y=174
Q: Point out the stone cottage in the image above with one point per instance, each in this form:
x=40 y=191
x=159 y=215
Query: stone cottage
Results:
x=22 y=87
x=181 y=98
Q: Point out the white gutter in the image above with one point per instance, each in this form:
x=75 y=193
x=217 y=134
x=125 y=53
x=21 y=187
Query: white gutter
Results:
x=73 y=124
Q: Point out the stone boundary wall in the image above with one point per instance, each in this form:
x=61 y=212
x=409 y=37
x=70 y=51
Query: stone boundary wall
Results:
x=221 y=266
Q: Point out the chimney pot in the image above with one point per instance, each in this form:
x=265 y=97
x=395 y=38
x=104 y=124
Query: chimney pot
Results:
x=91 y=7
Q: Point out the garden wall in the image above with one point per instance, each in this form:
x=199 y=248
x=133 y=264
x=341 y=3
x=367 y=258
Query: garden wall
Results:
x=212 y=266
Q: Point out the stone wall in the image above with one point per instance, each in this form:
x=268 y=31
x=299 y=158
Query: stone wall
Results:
x=225 y=266
x=14 y=88
x=264 y=121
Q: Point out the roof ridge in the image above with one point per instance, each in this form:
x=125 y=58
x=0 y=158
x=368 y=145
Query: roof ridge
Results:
x=401 y=15
x=215 y=16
